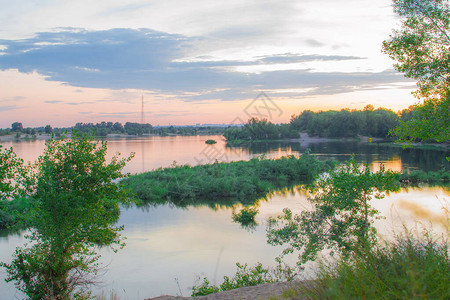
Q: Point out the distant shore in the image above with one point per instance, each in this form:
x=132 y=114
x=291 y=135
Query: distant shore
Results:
x=24 y=137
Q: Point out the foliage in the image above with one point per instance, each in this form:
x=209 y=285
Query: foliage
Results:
x=257 y=130
x=14 y=214
x=15 y=180
x=246 y=216
x=429 y=121
x=407 y=268
x=421 y=47
x=76 y=198
x=235 y=181
x=210 y=142
x=421 y=51
x=345 y=123
x=16 y=127
x=105 y=128
x=342 y=217
x=188 y=130
x=246 y=277
x=13 y=175
x=204 y=289
x=419 y=176
x=48 y=129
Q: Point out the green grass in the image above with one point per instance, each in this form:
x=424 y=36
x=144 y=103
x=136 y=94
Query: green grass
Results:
x=225 y=183
x=419 y=176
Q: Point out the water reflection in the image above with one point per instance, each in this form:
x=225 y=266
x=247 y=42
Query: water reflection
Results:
x=167 y=241
x=392 y=157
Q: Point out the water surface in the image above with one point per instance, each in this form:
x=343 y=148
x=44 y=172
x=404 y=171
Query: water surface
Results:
x=169 y=247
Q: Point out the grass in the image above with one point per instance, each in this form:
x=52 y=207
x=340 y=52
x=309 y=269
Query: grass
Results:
x=419 y=176
x=225 y=183
x=410 y=267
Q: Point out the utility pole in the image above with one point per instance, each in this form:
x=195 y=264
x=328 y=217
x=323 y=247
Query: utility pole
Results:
x=142 y=110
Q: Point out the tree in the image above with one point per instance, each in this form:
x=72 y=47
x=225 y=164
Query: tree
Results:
x=421 y=49
x=48 y=129
x=16 y=127
x=341 y=218
x=14 y=175
x=76 y=204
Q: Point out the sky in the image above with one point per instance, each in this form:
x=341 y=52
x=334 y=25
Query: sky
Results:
x=193 y=62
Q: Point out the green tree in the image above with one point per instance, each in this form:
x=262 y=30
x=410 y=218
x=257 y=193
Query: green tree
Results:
x=421 y=50
x=14 y=175
x=341 y=218
x=76 y=204
x=48 y=129
x=16 y=127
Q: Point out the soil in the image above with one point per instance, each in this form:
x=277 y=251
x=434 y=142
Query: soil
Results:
x=259 y=292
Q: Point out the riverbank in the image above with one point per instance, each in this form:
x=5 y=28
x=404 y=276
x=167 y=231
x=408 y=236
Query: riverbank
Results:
x=262 y=292
x=24 y=137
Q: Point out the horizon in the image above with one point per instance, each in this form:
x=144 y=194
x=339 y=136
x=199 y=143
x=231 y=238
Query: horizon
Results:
x=192 y=125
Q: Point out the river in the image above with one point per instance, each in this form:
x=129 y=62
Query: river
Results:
x=168 y=248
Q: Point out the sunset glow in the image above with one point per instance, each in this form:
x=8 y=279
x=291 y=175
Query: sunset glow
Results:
x=201 y=62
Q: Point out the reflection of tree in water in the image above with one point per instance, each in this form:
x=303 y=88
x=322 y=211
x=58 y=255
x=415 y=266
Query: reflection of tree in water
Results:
x=411 y=158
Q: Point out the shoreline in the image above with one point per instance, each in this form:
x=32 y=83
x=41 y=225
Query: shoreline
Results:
x=304 y=138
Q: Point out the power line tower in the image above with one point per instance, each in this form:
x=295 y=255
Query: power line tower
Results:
x=142 y=110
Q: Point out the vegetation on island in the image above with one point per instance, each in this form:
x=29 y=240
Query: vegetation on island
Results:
x=240 y=181
x=210 y=142
x=246 y=217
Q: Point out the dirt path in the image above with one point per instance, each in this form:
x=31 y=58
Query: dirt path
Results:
x=259 y=292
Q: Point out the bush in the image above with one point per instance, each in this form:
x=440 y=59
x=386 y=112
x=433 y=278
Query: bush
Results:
x=246 y=216
x=246 y=277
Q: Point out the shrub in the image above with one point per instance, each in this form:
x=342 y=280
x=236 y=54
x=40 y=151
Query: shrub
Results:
x=246 y=276
x=246 y=216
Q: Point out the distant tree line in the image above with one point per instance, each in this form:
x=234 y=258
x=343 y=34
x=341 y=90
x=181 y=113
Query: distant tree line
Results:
x=256 y=129
x=345 y=123
x=330 y=124
x=105 y=128
x=18 y=129
x=189 y=130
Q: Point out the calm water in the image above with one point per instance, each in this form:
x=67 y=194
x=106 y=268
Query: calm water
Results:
x=168 y=247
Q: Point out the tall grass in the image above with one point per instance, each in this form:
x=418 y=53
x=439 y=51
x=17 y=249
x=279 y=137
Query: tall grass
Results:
x=410 y=267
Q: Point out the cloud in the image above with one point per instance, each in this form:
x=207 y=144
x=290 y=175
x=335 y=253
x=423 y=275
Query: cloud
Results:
x=288 y=58
x=314 y=43
x=8 y=107
x=53 y=101
x=145 y=59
